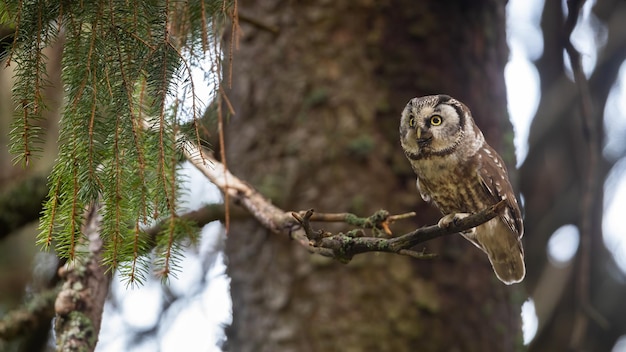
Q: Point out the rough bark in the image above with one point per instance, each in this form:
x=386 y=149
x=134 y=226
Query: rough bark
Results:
x=317 y=112
x=80 y=303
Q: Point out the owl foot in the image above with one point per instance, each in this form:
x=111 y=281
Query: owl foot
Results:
x=450 y=219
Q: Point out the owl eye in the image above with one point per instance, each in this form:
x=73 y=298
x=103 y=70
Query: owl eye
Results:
x=412 y=122
x=435 y=120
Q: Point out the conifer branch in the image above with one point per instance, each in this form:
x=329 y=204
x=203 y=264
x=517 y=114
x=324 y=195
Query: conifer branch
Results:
x=121 y=62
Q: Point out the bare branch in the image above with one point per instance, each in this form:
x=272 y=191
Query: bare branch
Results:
x=380 y=220
x=589 y=202
x=269 y=215
x=21 y=204
x=259 y=24
x=340 y=246
x=199 y=217
x=345 y=246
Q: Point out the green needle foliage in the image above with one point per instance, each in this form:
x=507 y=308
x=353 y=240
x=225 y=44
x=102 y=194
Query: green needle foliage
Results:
x=123 y=64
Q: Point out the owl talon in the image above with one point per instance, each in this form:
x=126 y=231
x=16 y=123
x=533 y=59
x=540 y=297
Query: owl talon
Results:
x=450 y=219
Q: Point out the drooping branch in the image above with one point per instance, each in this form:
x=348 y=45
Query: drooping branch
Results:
x=269 y=215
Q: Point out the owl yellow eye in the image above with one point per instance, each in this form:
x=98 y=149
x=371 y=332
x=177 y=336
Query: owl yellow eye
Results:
x=412 y=122
x=435 y=120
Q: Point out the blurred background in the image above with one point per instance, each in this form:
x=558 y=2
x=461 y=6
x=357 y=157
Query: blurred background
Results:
x=563 y=302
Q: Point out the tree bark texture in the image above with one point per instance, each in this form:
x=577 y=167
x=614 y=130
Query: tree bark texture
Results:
x=316 y=126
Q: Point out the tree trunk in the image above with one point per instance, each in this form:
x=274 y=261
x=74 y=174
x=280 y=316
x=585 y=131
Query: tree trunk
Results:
x=316 y=126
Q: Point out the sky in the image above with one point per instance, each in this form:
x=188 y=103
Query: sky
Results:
x=194 y=321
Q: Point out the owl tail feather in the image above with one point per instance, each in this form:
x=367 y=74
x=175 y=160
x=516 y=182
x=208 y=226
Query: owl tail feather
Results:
x=509 y=268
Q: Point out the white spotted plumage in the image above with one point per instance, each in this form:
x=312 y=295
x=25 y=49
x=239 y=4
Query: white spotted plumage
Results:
x=460 y=173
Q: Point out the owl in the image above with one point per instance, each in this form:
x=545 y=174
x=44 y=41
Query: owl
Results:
x=461 y=174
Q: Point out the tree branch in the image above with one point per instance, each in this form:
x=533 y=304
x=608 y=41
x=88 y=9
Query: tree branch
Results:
x=259 y=24
x=200 y=217
x=590 y=201
x=340 y=246
x=80 y=303
x=32 y=315
x=269 y=215
x=345 y=246
x=21 y=204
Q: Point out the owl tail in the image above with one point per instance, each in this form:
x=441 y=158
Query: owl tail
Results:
x=508 y=266
x=503 y=248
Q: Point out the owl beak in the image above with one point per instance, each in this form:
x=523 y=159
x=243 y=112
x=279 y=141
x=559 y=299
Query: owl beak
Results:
x=423 y=137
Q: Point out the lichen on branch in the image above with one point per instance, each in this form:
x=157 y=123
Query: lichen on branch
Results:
x=342 y=246
x=346 y=245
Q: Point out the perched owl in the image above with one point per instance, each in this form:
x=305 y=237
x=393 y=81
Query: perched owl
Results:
x=460 y=173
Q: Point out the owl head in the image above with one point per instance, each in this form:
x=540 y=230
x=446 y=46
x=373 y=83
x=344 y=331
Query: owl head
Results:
x=438 y=125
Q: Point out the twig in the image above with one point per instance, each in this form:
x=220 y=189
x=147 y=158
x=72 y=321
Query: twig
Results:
x=340 y=246
x=199 y=217
x=380 y=220
x=416 y=255
x=220 y=129
x=347 y=217
x=344 y=246
x=306 y=226
x=259 y=24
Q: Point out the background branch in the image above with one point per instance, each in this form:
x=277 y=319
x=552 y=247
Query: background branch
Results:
x=39 y=311
x=22 y=204
x=591 y=186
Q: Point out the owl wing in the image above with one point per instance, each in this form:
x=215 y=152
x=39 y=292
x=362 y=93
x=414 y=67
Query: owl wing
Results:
x=495 y=180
